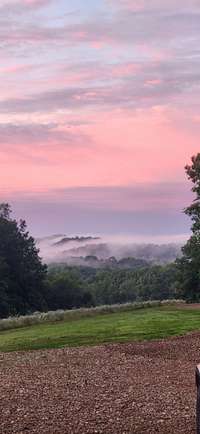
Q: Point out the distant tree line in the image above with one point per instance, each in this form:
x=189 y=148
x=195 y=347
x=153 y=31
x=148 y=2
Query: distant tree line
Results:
x=114 y=286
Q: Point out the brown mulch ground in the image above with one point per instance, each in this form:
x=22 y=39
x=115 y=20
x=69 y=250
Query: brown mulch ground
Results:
x=111 y=389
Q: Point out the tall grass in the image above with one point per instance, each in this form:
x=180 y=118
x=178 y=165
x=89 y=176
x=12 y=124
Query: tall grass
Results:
x=67 y=315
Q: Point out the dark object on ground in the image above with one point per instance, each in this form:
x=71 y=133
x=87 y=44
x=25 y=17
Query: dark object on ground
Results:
x=198 y=397
x=134 y=388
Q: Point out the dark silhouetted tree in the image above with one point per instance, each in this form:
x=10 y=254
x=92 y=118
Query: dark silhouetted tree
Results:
x=189 y=265
x=22 y=273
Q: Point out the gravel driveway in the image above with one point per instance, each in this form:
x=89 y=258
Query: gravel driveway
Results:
x=111 y=389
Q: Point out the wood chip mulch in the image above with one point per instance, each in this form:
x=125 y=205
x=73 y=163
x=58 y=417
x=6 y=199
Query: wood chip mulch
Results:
x=111 y=389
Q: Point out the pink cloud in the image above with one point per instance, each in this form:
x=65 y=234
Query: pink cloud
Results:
x=153 y=82
x=13 y=69
x=125 y=148
x=138 y=5
x=14 y=5
x=124 y=70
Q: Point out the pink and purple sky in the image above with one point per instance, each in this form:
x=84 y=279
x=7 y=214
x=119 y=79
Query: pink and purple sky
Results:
x=99 y=113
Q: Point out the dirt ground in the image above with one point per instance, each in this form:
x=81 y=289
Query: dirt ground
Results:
x=188 y=306
x=111 y=389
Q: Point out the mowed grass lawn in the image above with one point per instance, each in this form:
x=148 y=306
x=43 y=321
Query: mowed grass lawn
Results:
x=143 y=324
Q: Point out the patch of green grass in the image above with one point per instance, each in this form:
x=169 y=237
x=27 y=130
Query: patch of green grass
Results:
x=144 y=324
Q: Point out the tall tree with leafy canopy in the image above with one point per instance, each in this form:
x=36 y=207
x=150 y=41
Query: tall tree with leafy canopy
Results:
x=189 y=265
x=22 y=274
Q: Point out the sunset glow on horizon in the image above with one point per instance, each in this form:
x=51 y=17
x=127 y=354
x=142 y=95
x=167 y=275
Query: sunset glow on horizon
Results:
x=99 y=113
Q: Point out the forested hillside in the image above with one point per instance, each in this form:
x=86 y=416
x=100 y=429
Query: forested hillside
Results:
x=26 y=285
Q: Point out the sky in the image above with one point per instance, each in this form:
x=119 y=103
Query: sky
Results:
x=99 y=114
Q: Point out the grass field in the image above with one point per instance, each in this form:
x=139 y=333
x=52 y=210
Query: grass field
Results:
x=144 y=324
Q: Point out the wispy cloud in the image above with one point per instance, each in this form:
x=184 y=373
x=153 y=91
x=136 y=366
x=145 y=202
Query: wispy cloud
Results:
x=153 y=4
x=153 y=83
x=41 y=134
x=15 y=7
